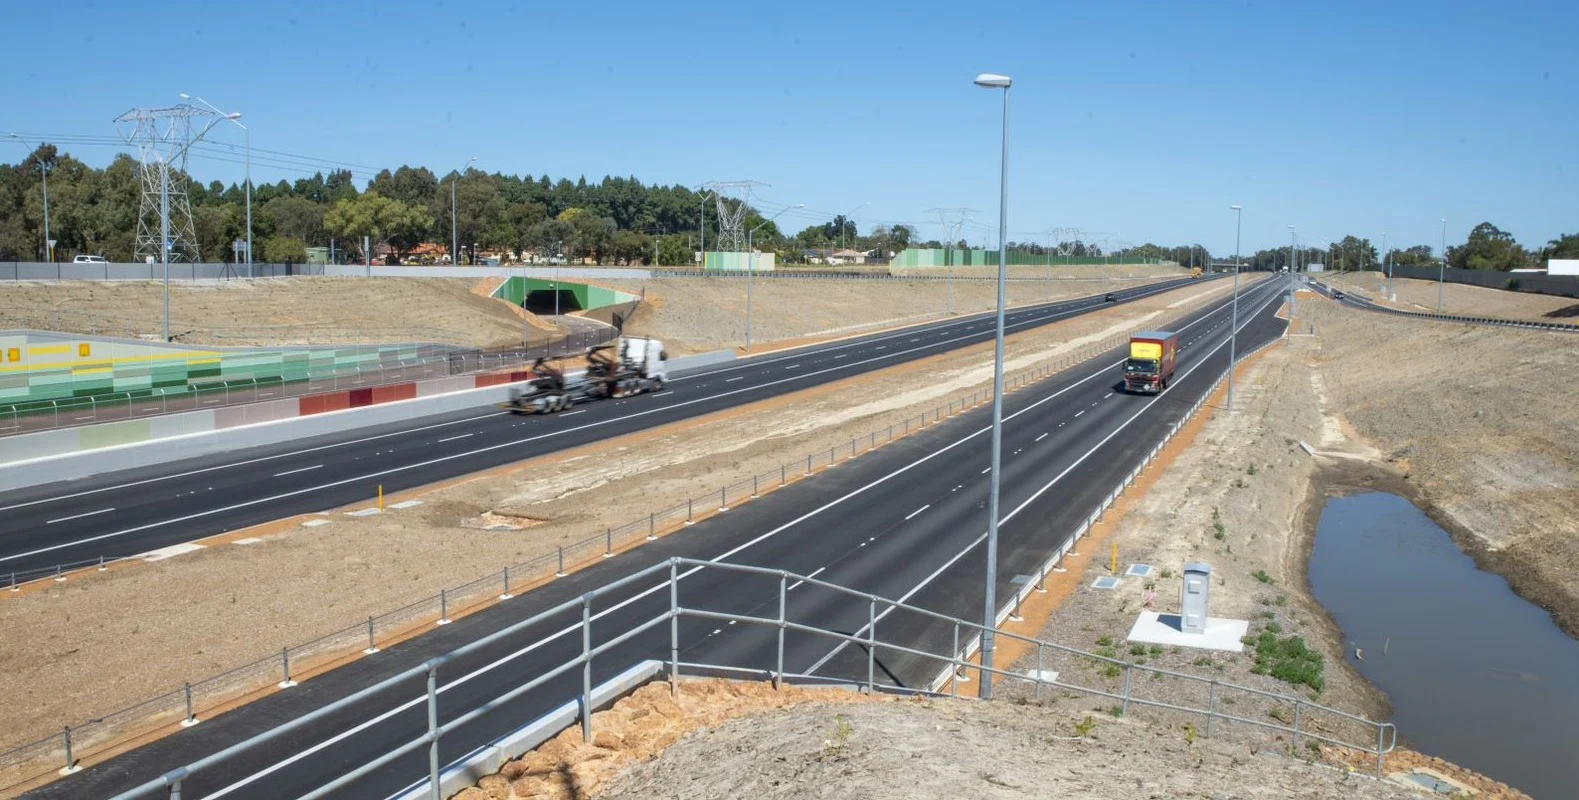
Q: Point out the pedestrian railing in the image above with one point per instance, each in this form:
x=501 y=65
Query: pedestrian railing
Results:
x=1225 y=703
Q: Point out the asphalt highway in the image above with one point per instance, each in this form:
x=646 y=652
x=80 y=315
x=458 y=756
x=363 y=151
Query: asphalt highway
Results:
x=127 y=513
x=906 y=522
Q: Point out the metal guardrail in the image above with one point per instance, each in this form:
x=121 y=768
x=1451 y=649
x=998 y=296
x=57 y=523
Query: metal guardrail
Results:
x=671 y=573
x=193 y=700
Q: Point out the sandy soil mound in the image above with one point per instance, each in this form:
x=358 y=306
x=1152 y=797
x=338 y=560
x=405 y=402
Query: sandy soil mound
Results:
x=274 y=311
x=1459 y=298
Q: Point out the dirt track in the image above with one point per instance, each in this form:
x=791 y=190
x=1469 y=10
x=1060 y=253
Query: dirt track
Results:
x=199 y=614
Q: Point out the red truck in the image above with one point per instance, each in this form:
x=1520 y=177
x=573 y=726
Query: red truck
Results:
x=1152 y=358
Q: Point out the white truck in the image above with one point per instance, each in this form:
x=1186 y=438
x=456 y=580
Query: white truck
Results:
x=630 y=366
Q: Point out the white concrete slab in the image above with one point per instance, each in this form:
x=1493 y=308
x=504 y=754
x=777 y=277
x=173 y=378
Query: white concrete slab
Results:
x=313 y=523
x=1221 y=634
x=407 y=504
x=1105 y=582
x=170 y=552
x=248 y=540
x=1048 y=675
x=366 y=512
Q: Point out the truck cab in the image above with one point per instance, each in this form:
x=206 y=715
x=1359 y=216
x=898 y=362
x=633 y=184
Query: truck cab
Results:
x=1152 y=358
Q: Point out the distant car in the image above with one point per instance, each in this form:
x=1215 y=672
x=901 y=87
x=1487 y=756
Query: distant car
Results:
x=89 y=260
x=1110 y=298
x=1337 y=295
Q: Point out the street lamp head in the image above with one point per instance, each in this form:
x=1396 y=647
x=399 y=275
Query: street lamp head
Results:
x=233 y=116
x=988 y=80
x=1236 y=208
x=185 y=96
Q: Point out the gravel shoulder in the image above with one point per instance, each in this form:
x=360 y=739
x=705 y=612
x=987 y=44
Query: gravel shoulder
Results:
x=1459 y=298
x=90 y=645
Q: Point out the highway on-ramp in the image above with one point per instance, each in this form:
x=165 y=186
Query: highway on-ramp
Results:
x=903 y=522
x=126 y=513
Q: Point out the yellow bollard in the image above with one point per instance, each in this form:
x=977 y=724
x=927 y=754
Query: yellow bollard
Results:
x=381 y=499
x=1113 y=565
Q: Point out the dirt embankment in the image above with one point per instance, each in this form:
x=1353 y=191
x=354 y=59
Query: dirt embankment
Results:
x=1481 y=423
x=696 y=315
x=273 y=311
x=1459 y=298
x=720 y=740
x=196 y=615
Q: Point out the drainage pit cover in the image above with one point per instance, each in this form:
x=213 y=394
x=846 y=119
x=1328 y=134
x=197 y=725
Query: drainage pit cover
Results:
x=1105 y=582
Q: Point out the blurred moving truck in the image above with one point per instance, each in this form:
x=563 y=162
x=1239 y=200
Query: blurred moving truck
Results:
x=1152 y=358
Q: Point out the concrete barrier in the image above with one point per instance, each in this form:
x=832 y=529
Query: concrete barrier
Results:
x=699 y=361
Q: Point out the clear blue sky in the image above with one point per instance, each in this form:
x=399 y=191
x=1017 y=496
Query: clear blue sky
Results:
x=1141 y=119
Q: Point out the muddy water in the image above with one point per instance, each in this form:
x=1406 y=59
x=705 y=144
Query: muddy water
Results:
x=1475 y=674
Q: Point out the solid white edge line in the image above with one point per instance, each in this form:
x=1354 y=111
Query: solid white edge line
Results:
x=80 y=516
x=294 y=471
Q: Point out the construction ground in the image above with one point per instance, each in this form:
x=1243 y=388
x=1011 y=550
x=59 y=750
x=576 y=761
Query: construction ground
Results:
x=1440 y=413
x=1457 y=298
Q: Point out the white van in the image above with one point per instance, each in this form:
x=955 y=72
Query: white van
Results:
x=89 y=260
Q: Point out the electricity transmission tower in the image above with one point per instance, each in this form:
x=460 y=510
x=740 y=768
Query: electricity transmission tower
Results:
x=733 y=199
x=163 y=138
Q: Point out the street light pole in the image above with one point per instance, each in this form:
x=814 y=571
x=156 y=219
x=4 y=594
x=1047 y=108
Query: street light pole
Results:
x=1441 y=270
x=164 y=238
x=246 y=136
x=844 y=221
x=1293 y=236
x=1233 y=326
x=988 y=643
x=43 y=169
x=455 y=258
x=1387 y=266
x=751 y=266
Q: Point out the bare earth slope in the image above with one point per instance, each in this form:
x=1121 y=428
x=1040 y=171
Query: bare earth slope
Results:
x=1482 y=421
x=700 y=314
x=1462 y=299
x=273 y=311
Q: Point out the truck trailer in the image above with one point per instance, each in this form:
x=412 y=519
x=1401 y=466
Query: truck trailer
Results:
x=1152 y=358
x=629 y=366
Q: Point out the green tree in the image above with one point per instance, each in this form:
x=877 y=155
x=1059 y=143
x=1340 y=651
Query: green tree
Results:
x=381 y=219
x=1564 y=246
x=1488 y=248
x=292 y=217
x=284 y=250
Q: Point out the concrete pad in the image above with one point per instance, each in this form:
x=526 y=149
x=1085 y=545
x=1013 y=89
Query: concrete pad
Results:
x=1138 y=571
x=406 y=504
x=313 y=523
x=248 y=540
x=366 y=512
x=1047 y=675
x=1221 y=634
x=171 y=551
x=1105 y=582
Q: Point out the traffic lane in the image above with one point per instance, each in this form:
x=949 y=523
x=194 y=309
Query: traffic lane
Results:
x=763 y=504
x=1023 y=543
x=913 y=531
x=63 y=544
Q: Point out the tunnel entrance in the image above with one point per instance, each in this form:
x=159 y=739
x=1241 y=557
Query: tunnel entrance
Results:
x=541 y=301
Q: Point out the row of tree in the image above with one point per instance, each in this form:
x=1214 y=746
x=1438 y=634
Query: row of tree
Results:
x=618 y=220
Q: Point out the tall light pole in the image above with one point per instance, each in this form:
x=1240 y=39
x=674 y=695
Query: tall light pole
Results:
x=991 y=81
x=49 y=245
x=455 y=257
x=1387 y=265
x=246 y=136
x=1441 y=270
x=1233 y=327
x=1293 y=236
x=844 y=221
x=751 y=267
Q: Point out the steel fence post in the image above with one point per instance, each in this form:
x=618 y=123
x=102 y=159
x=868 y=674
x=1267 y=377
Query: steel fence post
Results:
x=1038 y=670
x=778 y=681
x=871 y=645
x=1379 y=746
x=444 y=607
x=754 y=486
x=608 y=542
x=781 y=474
x=1124 y=709
x=808 y=464
x=505 y=595
x=433 y=731
x=560 y=573
x=191 y=719
x=690 y=515
x=674 y=627
x=1298 y=706
x=586 y=667
x=101 y=562
x=1211 y=709
x=175 y=789
x=723 y=499
x=71 y=762
x=285 y=668
x=372 y=642
x=954 y=664
x=652 y=526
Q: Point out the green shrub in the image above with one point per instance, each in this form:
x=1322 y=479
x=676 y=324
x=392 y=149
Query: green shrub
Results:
x=1251 y=470
x=1105 y=641
x=1288 y=659
x=1137 y=649
x=1263 y=577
